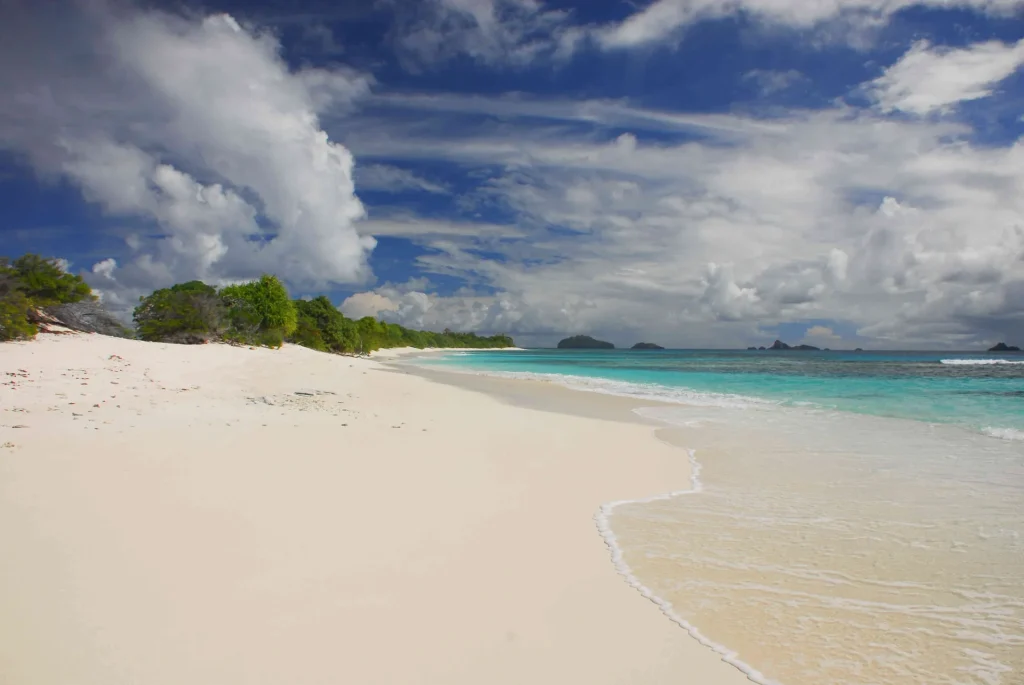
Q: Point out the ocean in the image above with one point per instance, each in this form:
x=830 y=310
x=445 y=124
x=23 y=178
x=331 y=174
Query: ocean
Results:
x=854 y=518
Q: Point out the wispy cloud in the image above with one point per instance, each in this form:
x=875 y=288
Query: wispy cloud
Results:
x=663 y=20
x=750 y=224
x=770 y=81
x=383 y=177
x=933 y=78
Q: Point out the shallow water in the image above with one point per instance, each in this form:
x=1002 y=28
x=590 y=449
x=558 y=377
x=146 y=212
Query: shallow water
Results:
x=828 y=543
x=980 y=392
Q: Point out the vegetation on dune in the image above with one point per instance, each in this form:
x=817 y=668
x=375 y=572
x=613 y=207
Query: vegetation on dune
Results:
x=14 y=309
x=322 y=327
x=45 y=283
x=186 y=312
x=31 y=283
x=259 y=312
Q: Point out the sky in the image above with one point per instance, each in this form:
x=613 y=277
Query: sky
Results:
x=695 y=173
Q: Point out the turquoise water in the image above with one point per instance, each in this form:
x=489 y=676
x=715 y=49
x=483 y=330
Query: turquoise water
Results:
x=984 y=393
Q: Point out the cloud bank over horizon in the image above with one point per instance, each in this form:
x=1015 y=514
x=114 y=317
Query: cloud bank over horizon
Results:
x=888 y=212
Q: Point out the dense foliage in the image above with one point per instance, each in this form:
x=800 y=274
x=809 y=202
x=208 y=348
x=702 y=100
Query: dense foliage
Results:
x=186 y=312
x=260 y=312
x=322 y=327
x=44 y=282
x=29 y=283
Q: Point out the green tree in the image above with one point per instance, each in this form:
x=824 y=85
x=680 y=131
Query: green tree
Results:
x=186 y=312
x=32 y=282
x=14 y=307
x=45 y=283
x=260 y=311
x=322 y=327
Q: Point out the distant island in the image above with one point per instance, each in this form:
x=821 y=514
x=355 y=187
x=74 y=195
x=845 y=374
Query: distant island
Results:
x=1003 y=347
x=584 y=342
x=779 y=345
x=646 y=346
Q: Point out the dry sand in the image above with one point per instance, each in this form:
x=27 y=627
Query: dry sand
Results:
x=174 y=514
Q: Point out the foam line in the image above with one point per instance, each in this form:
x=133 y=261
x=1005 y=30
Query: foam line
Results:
x=1003 y=433
x=603 y=520
x=978 y=362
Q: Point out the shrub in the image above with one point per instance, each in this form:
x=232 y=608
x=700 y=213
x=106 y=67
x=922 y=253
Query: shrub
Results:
x=270 y=337
x=14 y=308
x=45 y=283
x=322 y=327
x=186 y=312
x=29 y=283
x=258 y=307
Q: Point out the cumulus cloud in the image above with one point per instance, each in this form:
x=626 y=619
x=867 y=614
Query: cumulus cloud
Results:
x=367 y=304
x=821 y=336
x=932 y=79
x=194 y=126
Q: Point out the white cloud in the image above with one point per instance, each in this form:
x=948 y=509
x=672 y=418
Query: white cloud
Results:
x=821 y=336
x=516 y=33
x=421 y=226
x=384 y=177
x=770 y=81
x=662 y=20
x=901 y=228
x=932 y=79
x=367 y=304
x=495 y=32
x=223 y=152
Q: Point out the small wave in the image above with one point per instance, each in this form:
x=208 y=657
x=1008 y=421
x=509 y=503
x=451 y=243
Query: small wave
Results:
x=642 y=391
x=1004 y=433
x=603 y=520
x=978 y=362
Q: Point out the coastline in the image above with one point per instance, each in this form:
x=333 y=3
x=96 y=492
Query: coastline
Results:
x=551 y=396
x=799 y=503
x=226 y=514
x=404 y=352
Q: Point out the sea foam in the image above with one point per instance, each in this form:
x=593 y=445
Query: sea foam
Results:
x=641 y=391
x=979 y=362
x=603 y=520
x=1003 y=433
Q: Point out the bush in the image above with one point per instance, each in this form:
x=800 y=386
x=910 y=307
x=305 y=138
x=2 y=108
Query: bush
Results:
x=14 y=308
x=45 y=283
x=259 y=310
x=186 y=312
x=322 y=327
x=29 y=283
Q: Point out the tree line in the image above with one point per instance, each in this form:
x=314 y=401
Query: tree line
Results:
x=259 y=312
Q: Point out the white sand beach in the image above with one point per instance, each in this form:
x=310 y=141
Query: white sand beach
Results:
x=214 y=514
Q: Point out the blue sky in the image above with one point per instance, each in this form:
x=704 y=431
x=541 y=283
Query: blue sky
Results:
x=695 y=172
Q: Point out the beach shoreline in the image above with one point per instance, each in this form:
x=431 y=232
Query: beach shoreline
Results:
x=825 y=544
x=180 y=507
